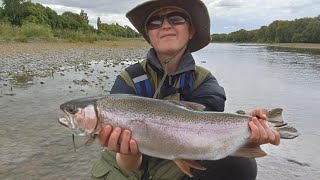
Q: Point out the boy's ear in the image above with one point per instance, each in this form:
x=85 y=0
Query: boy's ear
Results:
x=192 y=31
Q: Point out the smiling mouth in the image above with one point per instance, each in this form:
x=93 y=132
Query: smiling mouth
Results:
x=167 y=35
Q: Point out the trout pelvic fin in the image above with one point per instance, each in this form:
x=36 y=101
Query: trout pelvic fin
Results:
x=186 y=165
x=250 y=152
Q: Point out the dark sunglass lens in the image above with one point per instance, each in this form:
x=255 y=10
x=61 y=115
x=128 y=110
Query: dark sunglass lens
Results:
x=154 y=24
x=176 y=20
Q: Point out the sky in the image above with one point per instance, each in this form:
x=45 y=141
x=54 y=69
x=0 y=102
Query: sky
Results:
x=226 y=15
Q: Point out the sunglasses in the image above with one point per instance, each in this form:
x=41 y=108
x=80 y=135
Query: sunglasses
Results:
x=174 y=18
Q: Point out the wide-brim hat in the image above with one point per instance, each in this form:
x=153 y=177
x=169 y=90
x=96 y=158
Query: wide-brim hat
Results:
x=196 y=9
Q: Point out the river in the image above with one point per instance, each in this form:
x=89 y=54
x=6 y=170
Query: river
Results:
x=35 y=146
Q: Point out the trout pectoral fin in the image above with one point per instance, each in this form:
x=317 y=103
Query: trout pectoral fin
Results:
x=250 y=152
x=91 y=139
x=186 y=165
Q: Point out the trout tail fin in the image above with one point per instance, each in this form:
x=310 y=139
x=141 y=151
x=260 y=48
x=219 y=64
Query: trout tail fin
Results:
x=275 y=120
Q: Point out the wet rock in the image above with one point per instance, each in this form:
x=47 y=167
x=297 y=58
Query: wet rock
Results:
x=10 y=94
x=81 y=82
x=298 y=163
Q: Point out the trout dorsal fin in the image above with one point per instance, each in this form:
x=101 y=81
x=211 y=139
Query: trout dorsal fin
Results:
x=250 y=152
x=188 y=105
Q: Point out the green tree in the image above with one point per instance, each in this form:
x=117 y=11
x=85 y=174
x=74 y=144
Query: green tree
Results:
x=1 y=14
x=84 y=15
x=53 y=18
x=298 y=38
x=219 y=37
x=113 y=29
x=13 y=10
x=98 y=23
x=270 y=34
x=35 y=13
x=131 y=33
x=312 y=32
x=261 y=34
x=240 y=36
x=73 y=21
x=283 y=32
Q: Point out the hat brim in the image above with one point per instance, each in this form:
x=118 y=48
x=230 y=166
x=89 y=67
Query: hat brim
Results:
x=196 y=8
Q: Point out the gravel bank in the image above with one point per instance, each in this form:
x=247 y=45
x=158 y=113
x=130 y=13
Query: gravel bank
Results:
x=42 y=59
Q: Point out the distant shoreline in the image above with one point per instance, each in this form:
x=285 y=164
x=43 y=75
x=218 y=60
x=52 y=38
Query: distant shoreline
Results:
x=296 y=45
x=36 y=46
x=307 y=46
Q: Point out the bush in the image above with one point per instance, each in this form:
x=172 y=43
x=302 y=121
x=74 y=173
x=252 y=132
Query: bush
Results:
x=82 y=36
x=75 y=36
x=31 y=31
x=8 y=32
x=37 y=31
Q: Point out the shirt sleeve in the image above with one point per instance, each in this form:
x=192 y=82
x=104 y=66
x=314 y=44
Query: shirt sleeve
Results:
x=210 y=94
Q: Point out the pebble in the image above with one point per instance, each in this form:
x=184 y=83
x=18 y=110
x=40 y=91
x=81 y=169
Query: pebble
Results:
x=43 y=63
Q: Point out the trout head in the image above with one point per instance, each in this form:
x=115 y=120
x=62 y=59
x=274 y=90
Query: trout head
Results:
x=80 y=116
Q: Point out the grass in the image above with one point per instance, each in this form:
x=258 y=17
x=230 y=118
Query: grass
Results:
x=22 y=78
x=8 y=32
x=34 y=38
x=36 y=32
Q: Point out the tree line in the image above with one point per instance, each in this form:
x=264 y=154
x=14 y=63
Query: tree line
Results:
x=26 y=15
x=22 y=20
x=303 y=30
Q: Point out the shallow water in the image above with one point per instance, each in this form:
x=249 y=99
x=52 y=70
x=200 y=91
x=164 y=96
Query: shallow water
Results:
x=35 y=146
x=257 y=76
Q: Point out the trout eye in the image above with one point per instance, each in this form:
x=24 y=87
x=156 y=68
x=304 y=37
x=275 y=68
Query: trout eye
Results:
x=71 y=110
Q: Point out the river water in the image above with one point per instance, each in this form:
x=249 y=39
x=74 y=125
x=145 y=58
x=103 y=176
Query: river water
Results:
x=35 y=146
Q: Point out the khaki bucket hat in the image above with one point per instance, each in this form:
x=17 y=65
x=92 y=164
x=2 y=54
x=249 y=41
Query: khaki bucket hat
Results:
x=196 y=9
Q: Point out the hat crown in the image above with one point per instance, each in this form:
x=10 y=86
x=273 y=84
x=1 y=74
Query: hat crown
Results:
x=195 y=8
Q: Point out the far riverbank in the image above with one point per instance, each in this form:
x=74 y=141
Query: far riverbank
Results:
x=309 y=46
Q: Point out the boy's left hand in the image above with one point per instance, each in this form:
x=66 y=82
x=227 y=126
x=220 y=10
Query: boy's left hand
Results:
x=261 y=133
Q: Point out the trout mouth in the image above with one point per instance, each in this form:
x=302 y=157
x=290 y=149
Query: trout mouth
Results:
x=81 y=121
x=63 y=121
x=68 y=122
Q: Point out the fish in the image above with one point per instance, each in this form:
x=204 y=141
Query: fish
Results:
x=167 y=129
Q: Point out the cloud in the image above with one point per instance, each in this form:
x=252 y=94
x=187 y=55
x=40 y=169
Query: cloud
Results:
x=240 y=14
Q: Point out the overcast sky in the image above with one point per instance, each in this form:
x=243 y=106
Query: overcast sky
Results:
x=226 y=15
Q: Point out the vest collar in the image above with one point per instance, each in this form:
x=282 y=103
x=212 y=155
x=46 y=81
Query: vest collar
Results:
x=187 y=62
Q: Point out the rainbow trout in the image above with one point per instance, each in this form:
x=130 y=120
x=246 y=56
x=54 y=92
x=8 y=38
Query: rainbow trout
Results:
x=169 y=129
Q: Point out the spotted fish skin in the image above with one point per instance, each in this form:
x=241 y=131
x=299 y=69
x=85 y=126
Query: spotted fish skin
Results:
x=164 y=129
